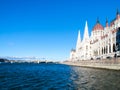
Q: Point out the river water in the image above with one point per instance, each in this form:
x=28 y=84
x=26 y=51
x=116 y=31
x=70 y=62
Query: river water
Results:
x=56 y=77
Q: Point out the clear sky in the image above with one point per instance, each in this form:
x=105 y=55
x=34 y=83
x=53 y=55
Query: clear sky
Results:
x=48 y=28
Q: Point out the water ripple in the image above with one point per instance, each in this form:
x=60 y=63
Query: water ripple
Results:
x=56 y=77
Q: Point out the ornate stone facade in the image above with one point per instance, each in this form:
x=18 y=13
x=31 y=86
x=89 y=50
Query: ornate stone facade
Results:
x=104 y=42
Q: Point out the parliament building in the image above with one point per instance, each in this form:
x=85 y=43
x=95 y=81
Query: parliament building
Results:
x=104 y=42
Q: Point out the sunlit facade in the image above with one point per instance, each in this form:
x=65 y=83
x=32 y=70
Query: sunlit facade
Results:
x=104 y=42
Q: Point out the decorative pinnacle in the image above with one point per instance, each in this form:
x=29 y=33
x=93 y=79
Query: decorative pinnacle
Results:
x=98 y=20
x=117 y=12
x=106 y=20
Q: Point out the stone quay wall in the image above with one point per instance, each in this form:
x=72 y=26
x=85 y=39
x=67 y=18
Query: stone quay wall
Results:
x=113 y=64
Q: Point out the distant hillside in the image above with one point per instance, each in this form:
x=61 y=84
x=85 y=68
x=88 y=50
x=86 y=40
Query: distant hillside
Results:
x=3 y=60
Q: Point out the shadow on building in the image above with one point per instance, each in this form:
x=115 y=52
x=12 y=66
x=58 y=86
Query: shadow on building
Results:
x=117 y=48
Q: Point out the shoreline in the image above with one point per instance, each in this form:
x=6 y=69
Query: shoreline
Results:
x=101 y=64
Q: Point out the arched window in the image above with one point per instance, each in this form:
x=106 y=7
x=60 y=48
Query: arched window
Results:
x=104 y=50
x=109 y=48
x=99 y=52
x=86 y=47
x=113 y=47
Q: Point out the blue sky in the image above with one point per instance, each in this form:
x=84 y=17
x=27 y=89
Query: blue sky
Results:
x=48 y=28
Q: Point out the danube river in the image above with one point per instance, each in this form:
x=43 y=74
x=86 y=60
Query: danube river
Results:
x=56 y=77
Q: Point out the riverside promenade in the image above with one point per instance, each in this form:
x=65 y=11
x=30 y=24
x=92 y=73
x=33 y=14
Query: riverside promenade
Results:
x=113 y=64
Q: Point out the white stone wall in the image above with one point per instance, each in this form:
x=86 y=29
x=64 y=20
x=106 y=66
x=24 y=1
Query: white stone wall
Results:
x=99 y=41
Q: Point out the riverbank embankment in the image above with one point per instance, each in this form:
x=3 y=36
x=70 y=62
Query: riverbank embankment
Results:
x=113 y=64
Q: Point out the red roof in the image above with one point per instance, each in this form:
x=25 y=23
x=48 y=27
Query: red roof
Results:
x=98 y=26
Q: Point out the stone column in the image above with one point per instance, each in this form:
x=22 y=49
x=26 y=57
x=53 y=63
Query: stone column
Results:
x=111 y=45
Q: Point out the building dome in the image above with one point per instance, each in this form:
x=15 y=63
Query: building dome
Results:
x=98 y=26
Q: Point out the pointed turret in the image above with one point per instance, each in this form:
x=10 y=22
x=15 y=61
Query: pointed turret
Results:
x=97 y=20
x=86 y=34
x=98 y=26
x=117 y=14
x=107 y=22
x=78 y=40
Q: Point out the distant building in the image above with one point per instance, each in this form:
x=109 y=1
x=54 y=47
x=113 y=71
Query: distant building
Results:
x=104 y=41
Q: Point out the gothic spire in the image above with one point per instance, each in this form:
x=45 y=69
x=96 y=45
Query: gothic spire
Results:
x=98 y=20
x=117 y=12
x=86 y=34
x=106 y=22
x=78 y=40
